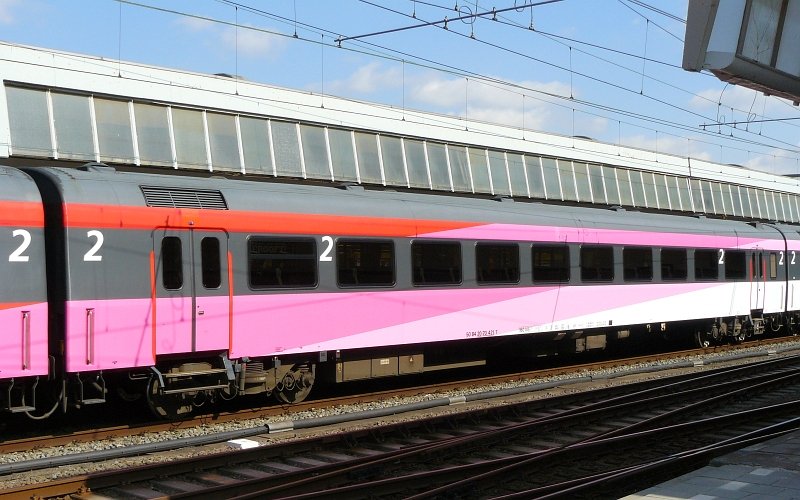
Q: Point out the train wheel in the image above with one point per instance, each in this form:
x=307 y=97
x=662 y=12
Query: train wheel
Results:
x=169 y=406
x=295 y=385
x=702 y=339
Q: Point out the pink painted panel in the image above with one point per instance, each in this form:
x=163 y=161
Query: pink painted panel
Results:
x=108 y=334
x=173 y=325
x=213 y=323
x=274 y=324
x=17 y=349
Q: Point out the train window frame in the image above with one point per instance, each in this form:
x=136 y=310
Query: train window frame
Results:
x=210 y=262
x=343 y=244
x=679 y=264
x=637 y=262
x=773 y=265
x=171 y=263
x=601 y=271
x=267 y=257
x=735 y=265
x=706 y=264
x=485 y=252
x=559 y=273
x=420 y=273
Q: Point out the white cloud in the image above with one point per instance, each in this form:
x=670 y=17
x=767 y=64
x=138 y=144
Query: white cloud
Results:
x=247 y=42
x=195 y=25
x=368 y=79
x=252 y=43
x=504 y=105
x=6 y=11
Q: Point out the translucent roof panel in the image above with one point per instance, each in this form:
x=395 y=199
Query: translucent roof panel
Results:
x=30 y=122
x=73 y=123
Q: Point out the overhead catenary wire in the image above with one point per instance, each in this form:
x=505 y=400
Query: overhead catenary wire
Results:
x=407 y=58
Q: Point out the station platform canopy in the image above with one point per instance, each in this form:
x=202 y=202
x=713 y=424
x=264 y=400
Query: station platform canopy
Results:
x=753 y=43
x=61 y=108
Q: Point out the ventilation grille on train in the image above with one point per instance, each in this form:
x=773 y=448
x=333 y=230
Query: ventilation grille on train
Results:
x=157 y=196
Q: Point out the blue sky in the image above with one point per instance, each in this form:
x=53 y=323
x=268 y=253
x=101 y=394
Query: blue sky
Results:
x=606 y=69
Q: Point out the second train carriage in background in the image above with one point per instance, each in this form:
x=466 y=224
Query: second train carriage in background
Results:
x=187 y=289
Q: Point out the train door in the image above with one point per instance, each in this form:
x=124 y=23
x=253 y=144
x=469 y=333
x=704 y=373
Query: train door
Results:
x=192 y=290
x=757 y=279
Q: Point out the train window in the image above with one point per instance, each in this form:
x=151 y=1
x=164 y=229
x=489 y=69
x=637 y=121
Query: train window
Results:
x=536 y=183
x=596 y=180
x=612 y=190
x=223 y=141
x=582 y=181
x=735 y=265
x=190 y=138
x=210 y=262
x=282 y=262
x=497 y=168
x=436 y=263
x=365 y=263
x=255 y=145
x=773 y=265
x=673 y=264
x=479 y=168
x=597 y=263
x=437 y=161
x=517 y=176
x=315 y=152
x=459 y=168
x=29 y=120
x=152 y=134
x=394 y=170
x=637 y=264
x=286 y=147
x=497 y=262
x=550 y=263
x=113 y=130
x=73 y=123
x=417 y=167
x=567 y=180
x=171 y=263
x=551 y=179
x=706 y=264
x=343 y=156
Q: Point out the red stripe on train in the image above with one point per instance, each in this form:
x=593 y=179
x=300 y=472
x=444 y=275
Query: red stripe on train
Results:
x=13 y=305
x=100 y=216
x=21 y=214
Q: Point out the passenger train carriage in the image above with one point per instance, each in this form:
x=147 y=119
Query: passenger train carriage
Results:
x=187 y=289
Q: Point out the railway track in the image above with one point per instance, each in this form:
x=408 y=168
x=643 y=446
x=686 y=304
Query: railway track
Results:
x=406 y=448
x=596 y=444
x=40 y=439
